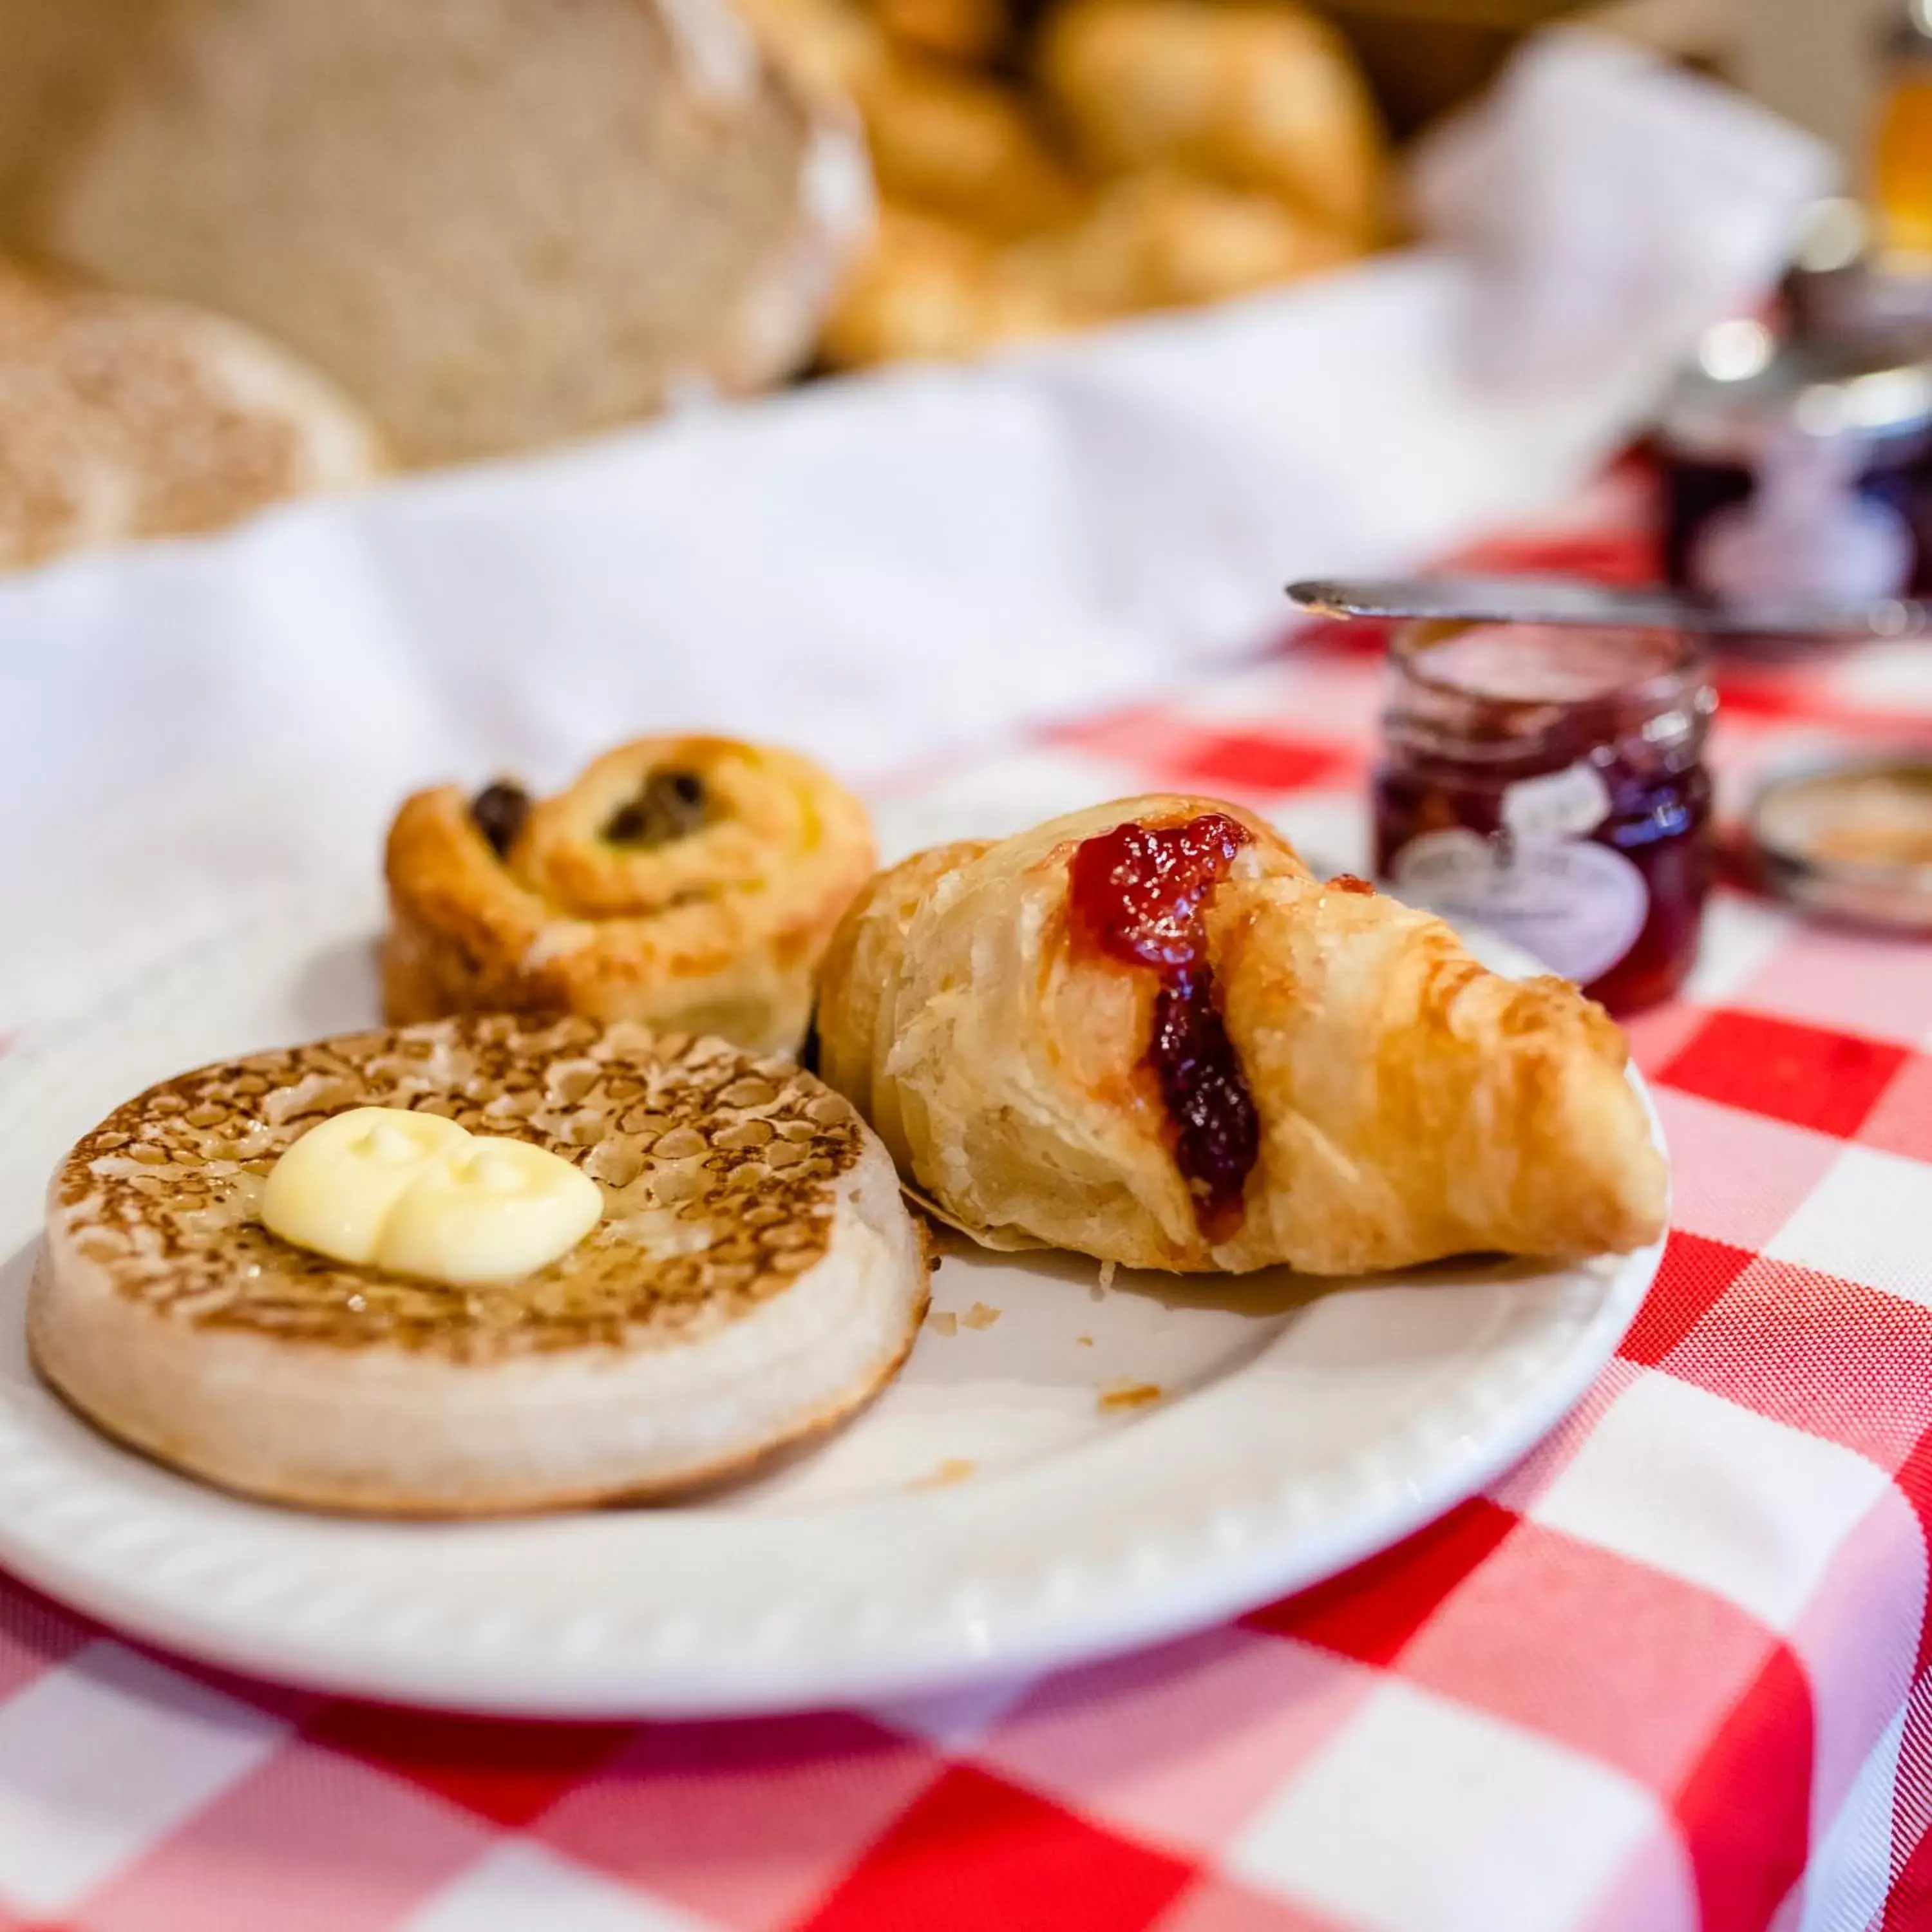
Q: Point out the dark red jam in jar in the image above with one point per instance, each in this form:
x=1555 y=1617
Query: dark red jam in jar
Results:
x=1138 y=894
x=1549 y=783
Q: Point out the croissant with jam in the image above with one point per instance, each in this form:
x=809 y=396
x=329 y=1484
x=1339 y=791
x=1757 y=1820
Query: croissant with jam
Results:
x=1148 y=1033
x=692 y=884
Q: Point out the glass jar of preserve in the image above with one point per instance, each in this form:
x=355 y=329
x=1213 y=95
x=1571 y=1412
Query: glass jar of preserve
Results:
x=1549 y=783
x=1803 y=468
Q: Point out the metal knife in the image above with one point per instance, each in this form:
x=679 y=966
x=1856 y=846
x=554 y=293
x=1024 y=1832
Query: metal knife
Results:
x=1573 y=601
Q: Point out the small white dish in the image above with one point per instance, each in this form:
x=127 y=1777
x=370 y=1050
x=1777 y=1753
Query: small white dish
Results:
x=1061 y=1471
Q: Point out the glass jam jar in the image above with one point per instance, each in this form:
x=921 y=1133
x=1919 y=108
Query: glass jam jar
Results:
x=1549 y=783
x=1804 y=469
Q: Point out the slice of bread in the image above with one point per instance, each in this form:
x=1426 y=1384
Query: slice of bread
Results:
x=496 y=223
x=121 y=416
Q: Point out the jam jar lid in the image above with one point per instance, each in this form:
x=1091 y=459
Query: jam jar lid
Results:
x=1849 y=838
x=1747 y=390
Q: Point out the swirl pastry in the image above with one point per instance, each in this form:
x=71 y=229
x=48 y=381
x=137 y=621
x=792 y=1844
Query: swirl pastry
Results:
x=1146 y=1032
x=753 y=1276
x=690 y=882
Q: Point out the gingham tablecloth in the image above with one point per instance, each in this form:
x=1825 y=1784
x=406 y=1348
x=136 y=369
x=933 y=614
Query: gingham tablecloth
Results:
x=1671 y=1672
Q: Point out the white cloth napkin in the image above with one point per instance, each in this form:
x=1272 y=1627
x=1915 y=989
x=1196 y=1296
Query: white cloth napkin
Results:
x=1608 y=204
x=882 y=572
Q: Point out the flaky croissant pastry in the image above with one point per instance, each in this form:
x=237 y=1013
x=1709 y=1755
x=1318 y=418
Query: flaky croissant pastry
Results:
x=1148 y=1032
x=961 y=144
x=929 y=289
x=970 y=31
x=1161 y=238
x=689 y=882
x=1263 y=96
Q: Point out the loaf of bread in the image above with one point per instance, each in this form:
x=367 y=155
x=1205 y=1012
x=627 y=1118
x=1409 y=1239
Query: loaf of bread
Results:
x=53 y=54
x=121 y=416
x=497 y=223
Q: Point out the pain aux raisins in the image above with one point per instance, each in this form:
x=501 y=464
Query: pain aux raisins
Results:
x=669 y=806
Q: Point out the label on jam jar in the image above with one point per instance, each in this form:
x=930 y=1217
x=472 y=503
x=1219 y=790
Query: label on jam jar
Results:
x=1565 y=804
x=1577 y=907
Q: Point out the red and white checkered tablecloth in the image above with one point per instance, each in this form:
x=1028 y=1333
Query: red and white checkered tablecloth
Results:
x=1673 y=1671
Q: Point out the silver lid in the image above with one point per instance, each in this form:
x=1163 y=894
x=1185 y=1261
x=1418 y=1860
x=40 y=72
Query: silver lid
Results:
x=1850 y=839
x=1747 y=391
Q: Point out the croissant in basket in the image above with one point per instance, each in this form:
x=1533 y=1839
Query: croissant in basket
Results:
x=1148 y=1032
x=689 y=882
x=1261 y=97
x=935 y=290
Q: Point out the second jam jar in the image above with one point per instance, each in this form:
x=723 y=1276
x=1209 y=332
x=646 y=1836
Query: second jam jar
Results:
x=1549 y=783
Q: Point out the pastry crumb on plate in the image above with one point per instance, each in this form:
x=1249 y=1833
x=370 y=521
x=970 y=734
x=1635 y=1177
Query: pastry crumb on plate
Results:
x=954 y=1469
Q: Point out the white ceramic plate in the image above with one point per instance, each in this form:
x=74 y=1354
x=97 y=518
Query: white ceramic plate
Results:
x=1008 y=1504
